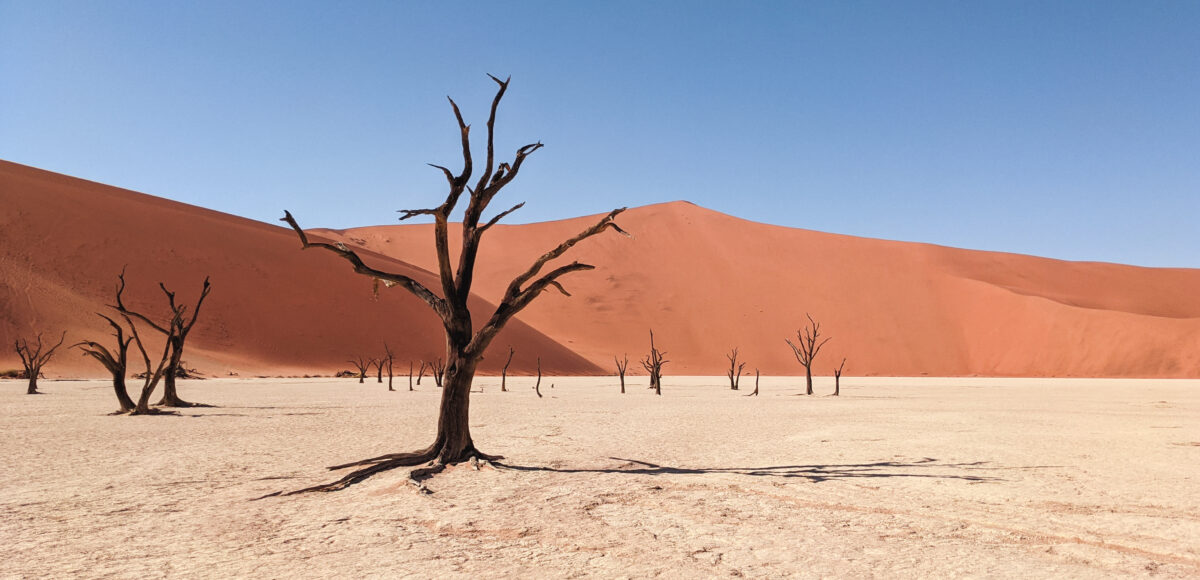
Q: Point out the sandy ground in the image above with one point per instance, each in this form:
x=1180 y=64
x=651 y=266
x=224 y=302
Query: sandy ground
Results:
x=898 y=478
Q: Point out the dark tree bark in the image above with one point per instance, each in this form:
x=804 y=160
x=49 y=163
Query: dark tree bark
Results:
x=363 y=365
x=504 y=373
x=33 y=358
x=465 y=344
x=810 y=345
x=176 y=332
x=653 y=363
x=116 y=361
x=735 y=369
x=621 y=366
x=410 y=367
x=837 y=378
x=378 y=369
x=421 y=372
x=439 y=372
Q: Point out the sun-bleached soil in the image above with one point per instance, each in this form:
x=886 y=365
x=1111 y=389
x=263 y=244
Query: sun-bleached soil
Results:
x=898 y=478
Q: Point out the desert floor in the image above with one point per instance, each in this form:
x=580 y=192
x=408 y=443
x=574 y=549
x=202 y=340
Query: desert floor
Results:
x=898 y=478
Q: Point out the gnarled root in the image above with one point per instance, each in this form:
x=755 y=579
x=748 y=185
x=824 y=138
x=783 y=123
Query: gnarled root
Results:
x=430 y=456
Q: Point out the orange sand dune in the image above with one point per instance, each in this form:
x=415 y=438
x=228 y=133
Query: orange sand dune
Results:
x=273 y=308
x=707 y=282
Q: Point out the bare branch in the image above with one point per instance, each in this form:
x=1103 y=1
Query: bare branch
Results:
x=409 y=213
x=416 y=288
x=514 y=288
x=500 y=216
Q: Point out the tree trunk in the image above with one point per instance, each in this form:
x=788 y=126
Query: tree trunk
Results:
x=123 y=399
x=453 y=443
x=32 y=390
x=808 y=379
x=170 y=398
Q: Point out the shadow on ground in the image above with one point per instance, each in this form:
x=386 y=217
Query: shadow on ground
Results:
x=924 y=468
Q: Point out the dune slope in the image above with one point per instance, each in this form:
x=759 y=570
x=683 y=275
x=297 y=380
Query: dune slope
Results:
x=273 y=309
x=707 y=282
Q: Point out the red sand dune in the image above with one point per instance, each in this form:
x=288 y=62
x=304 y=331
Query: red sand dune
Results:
x=273 y=309
x=707 y=282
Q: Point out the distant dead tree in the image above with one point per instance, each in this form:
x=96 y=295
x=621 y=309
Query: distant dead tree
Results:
x=378 y=364
x=837 y=378
x=421 y=372
x=653 y=363
x=755 y=393
x=622 y=364
x=388 y=359
x=537 y=387
x=439 y=371
x=34 y=357
x=363 y=365
x=810 y=345
x=504 y=373
x=735 y=369
x=176 y=331
x=410 y=368
x=464 y=345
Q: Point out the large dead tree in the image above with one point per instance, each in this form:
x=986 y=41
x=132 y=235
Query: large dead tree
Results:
x=810 y=344
x=622 y=364
x=465 y=344
x=653 y=363
x=735 y=369
x=176 y=331
x=34 y=357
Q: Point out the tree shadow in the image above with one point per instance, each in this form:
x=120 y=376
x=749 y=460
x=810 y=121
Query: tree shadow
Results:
x=815 y=473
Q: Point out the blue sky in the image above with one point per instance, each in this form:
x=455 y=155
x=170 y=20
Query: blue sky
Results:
x=1062 y=129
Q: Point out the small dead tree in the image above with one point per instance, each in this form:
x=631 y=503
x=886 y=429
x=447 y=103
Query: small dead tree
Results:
x=176 y=331
x=388 y=359
x=465 y=341
x=622 y=364
x=363 y=365
x=504 y=373
x=755 y=393
x=537 y=387
x=735 y=369
x=34 y=357
x=421 y=372
x=116 y=361
x=837 y=378
x=653 y=363
x=378 y=364
x=810 y=345
x=410 y=368
x=439 y=371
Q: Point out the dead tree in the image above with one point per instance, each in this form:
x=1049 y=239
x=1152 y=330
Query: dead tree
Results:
x=116 y=361
x=363 y=365
x=464 y=344
x=537 y=387
x=735 y=369
x=837 y=378
x=151 y=377
x=421 y=372
x=439 y=370
x=378 y=364
x=410 y=367
x=504 y=373
x=34 y=357
x=388 y=359
x=810 y=345
x=653 y=363
x=755 y=393
x=622 y=364
x=176 y=331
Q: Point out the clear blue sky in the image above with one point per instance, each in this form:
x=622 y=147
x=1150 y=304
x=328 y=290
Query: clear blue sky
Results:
x=1062 y=129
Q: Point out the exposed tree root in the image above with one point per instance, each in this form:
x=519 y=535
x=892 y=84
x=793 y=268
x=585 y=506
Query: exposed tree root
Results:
x=433 y=462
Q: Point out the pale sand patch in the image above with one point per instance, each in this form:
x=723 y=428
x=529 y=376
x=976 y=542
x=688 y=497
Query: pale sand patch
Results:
x=898 y=478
